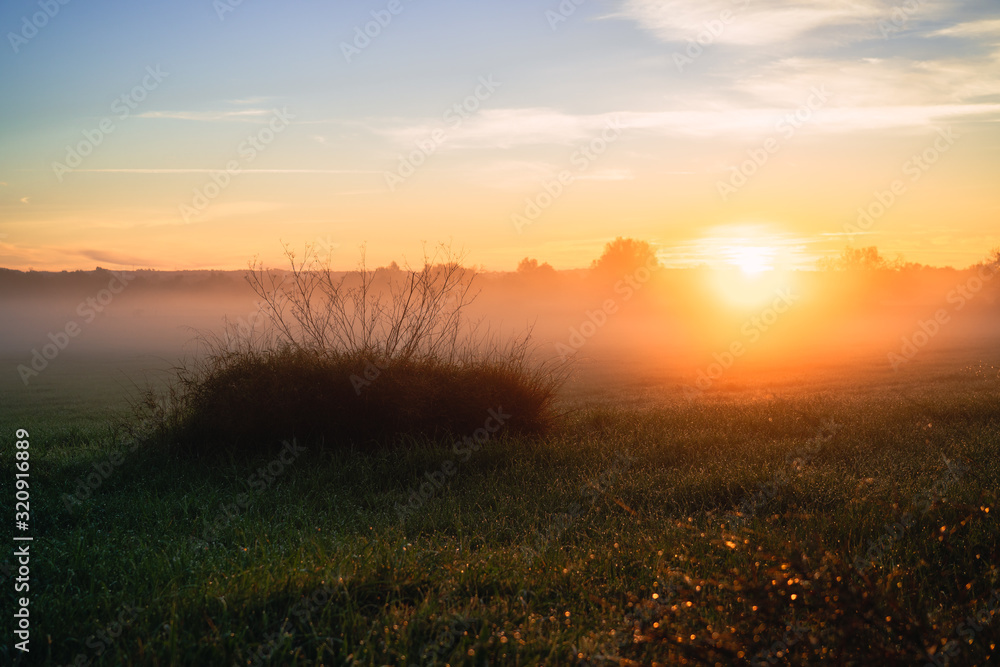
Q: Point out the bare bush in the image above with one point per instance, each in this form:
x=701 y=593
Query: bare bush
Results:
x=309 y=370
x=393 y=315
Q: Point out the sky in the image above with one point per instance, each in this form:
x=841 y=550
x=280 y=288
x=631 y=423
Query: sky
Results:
x=195 y=134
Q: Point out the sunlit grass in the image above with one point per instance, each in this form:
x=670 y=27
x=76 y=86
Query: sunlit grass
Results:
x=615 y=540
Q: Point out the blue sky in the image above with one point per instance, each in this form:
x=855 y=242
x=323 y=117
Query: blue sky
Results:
x=895 y=74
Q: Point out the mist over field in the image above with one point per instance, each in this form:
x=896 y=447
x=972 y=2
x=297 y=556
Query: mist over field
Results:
x=669 y=328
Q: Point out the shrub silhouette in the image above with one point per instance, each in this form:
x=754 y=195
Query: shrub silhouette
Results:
x=357 y=359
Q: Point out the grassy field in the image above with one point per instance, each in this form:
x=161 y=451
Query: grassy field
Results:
x=854 y=524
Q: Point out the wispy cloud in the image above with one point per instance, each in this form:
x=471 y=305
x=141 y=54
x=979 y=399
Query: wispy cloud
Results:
x=115 y=258
x=751 y=23
x=157 y=170
x=502 y=128
x=849 y=235
x=983 y=28
x=249 y=100
x=247 y=115
x=862 y=82
x=607 y=175
x=507 y=128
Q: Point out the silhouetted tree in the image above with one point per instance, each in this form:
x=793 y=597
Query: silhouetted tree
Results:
x=532 y=266
x=623 y=256
x=855 y=259
x=993 y=259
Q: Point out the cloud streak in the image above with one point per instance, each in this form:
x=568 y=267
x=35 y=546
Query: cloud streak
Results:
x=117 y=259
x=157 y=170
x=507 y=128
x=983 y=28
x=244 y=115
x=756 y=24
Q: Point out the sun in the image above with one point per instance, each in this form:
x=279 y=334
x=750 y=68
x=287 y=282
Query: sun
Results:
x=750 y=272
x=751 y=260
x=746 y=264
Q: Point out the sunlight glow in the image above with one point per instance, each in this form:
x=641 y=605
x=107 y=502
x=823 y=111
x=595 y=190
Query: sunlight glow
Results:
x=741 y=289
x=751 y=260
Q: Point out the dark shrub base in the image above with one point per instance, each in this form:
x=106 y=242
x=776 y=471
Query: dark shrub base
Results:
x=252 y=401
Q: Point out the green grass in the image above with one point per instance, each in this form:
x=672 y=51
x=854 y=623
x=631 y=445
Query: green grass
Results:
x=544 y=550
